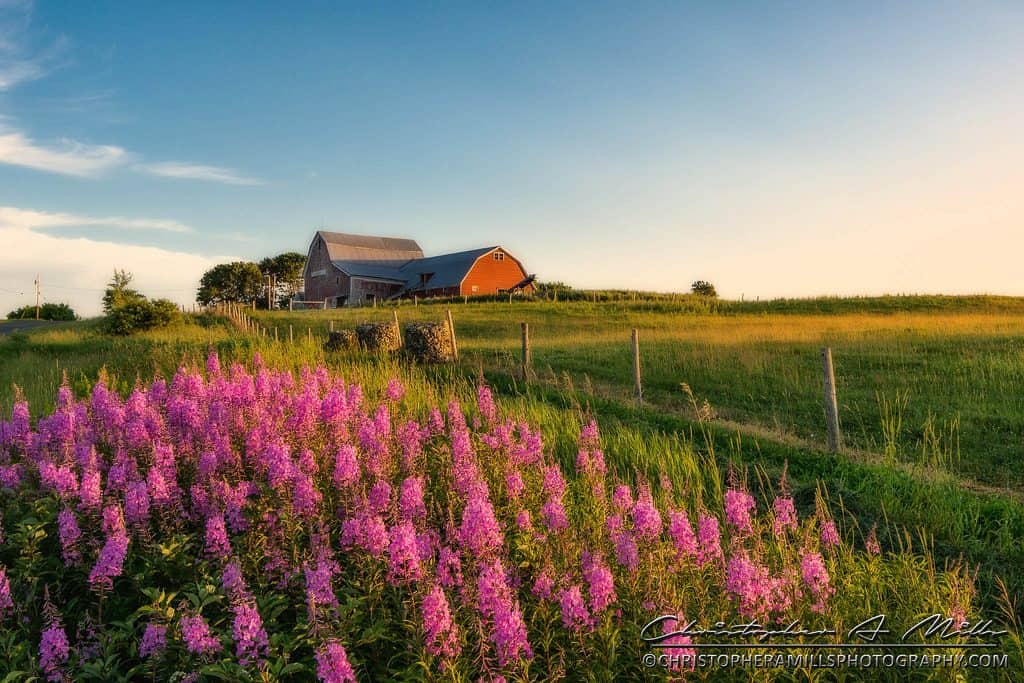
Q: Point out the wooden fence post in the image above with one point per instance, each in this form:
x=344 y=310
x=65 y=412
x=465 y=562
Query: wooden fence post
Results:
x=330 y=326
x=835 y=441
x=451 y=331
x=636 y=365
x=526 y=351
x=309 y=334
x=398 y=328
x=275 y=333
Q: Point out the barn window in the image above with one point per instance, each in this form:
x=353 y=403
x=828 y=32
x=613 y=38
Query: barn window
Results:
x=476 y=288
x=499 y=256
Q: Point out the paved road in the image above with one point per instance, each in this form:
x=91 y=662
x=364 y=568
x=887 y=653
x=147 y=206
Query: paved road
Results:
x=9 y=326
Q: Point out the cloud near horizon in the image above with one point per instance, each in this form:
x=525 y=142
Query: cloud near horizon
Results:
x=76 y=269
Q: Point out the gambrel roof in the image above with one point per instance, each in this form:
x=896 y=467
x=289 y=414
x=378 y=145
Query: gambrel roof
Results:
x=360 y=248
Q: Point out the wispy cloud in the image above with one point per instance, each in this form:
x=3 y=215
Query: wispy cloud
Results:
x=189 y=171
x=13 y=218
x=19 y=63
x=83 y=160
x=66 y=157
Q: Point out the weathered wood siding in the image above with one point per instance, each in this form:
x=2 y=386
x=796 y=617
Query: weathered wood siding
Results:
x=330 y=282
x=364 y=291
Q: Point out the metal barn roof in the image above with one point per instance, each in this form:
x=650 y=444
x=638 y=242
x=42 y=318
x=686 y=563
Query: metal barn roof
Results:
x=362 y=248
x=449 y=270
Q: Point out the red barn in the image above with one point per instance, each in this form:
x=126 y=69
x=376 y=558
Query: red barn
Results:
x=349 y=270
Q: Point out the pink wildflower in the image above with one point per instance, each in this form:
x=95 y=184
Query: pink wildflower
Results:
x=410 y=500
x=600 y=583
x=508 y=632
x=217 y=543
x=251 y=640
x=346 y=467
x=543 y=585
x=646 y=518
x=332 y=665
x=785 y=516
x=449 y=567
x=53 y=651
x=403 y=555
x=738 y=506
x=485 y=401
x=575 y=616
x=523 y=520
x=69 y=533
x=479 y=532
x=110 y=562
x=683 y=538
x=6 y=602
x=196 y=634
x=871 y=543
x=395 y=390
x=815 y=575
x=441 y=632
x=154 y=641
x=622 y=497
x=829 y=534
x=709 y=540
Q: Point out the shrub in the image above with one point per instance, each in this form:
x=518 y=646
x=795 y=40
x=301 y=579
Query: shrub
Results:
x=130 y=311
x=141 y=314
x=46 y=312
x=704 y=288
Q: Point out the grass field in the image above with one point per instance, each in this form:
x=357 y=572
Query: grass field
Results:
x=918 y=383
x=930 y=393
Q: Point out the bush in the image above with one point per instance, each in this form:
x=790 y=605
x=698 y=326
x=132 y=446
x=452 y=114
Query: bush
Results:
x=703 y=288
x=141 y=314
x=130 y=311
x=46 y=312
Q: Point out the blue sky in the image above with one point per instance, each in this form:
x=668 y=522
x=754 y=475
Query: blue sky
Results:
x=777 y=149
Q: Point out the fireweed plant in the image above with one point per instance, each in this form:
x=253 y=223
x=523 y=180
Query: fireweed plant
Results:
x=252 y=523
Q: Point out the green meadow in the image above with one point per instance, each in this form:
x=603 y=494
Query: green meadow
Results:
x=930 y=393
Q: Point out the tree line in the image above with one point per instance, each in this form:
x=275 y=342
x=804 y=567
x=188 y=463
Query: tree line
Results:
x=246 y=282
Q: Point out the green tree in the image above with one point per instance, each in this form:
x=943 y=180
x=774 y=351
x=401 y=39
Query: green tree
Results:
x=46 y=312
x=704 y=288
x=239 y=282
x=287 y=269
x=118 y=292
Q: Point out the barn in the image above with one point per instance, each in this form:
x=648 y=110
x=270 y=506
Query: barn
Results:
x=352 y=270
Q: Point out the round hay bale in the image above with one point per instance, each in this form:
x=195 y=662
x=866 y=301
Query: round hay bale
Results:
x=379 y=336
x=341 y=340
x=429 y=342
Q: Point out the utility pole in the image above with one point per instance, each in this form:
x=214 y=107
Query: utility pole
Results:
x=37 y=296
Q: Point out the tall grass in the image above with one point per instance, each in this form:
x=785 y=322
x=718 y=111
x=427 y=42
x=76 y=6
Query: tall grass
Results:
x=762 y=370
